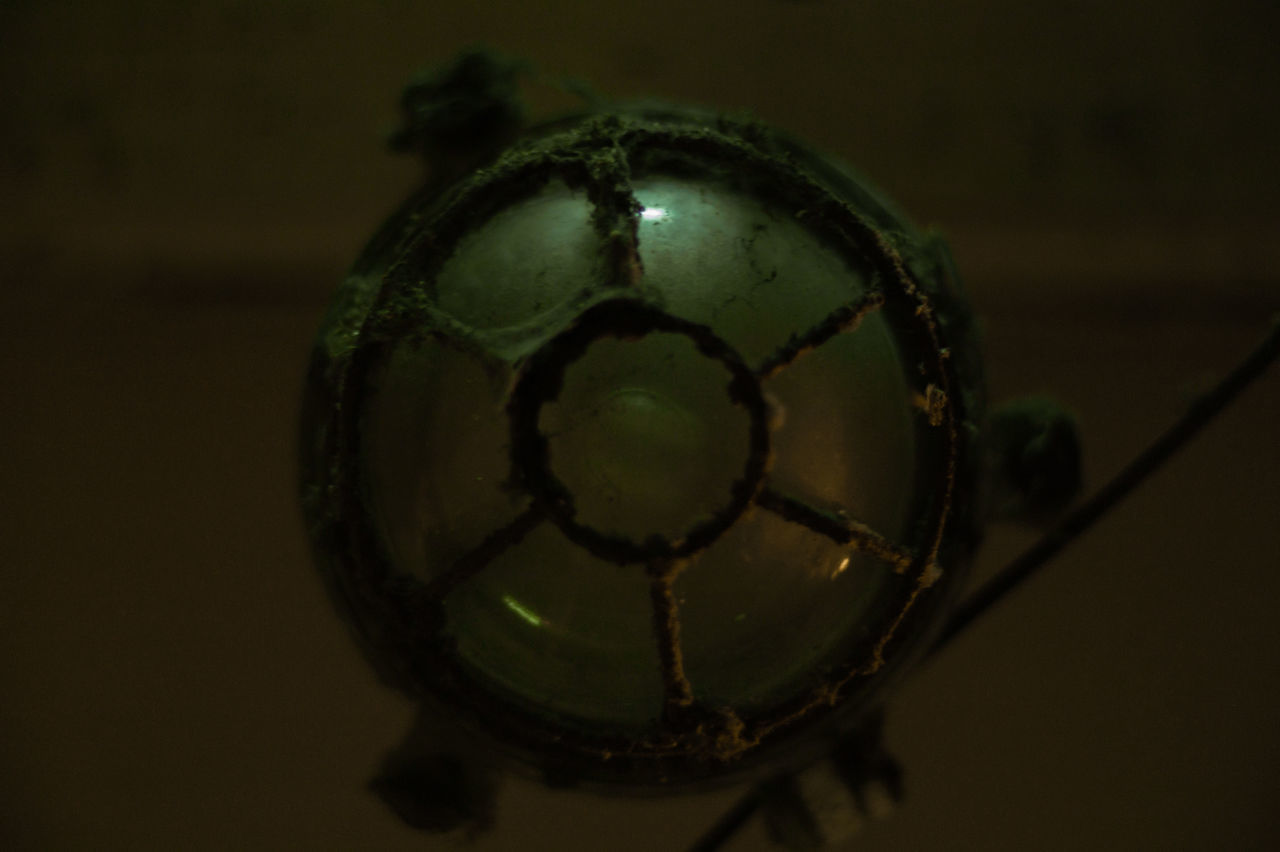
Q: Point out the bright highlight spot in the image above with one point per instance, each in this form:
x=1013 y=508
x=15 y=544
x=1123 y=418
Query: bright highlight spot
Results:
x=653 y=214
x=520 y=610
x=844 y=563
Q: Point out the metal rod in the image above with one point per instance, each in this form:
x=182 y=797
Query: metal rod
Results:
x=1199 y=415
x=729 y=824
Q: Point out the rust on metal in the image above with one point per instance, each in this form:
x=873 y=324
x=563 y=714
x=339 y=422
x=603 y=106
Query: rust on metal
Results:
x=839 y=529
x=843 y=319
x=601 y=155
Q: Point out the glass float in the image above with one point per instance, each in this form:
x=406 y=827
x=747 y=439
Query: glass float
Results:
x=645 y=450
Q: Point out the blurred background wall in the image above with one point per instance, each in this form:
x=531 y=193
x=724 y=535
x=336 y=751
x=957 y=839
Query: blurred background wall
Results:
x=183 y=185
x=1122 y=139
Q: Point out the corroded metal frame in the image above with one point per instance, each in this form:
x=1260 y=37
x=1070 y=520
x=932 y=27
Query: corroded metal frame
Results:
x=400 y=618
x=540 y=380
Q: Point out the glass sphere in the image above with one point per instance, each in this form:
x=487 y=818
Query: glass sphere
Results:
x=645 y=449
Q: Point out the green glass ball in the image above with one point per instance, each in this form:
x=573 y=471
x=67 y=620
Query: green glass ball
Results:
x=645 y=450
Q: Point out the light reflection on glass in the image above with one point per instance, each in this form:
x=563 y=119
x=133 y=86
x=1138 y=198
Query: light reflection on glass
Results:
x=523 y=611
x=653 y=214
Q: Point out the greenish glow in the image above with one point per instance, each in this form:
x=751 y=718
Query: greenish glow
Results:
x=522 y=611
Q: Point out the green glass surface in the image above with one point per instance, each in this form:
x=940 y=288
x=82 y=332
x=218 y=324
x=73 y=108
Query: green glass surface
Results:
x=561 y=633
x=773 y=603
x=645 y=437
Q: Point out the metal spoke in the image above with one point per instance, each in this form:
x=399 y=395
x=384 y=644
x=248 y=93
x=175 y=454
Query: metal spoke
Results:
x=839 y=529
x=842 y=319
x=494 y=545
x=677 y=692
x=615 y=211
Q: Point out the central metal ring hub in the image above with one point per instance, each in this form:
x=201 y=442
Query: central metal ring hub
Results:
x=637 y=424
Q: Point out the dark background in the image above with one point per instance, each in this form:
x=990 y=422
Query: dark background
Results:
x=182 y=185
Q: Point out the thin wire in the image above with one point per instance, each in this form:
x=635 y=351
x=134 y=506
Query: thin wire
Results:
x=1199 y=415
x=730 y=822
